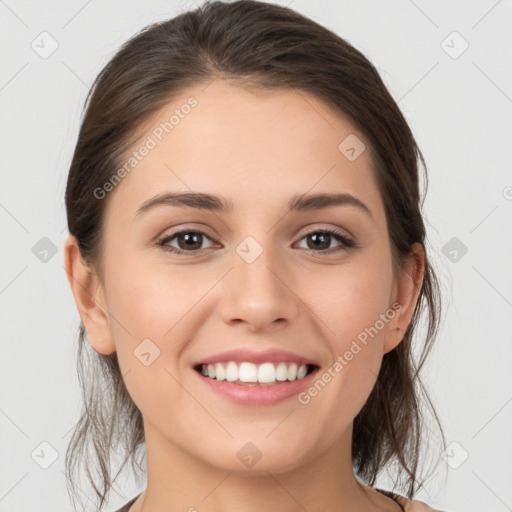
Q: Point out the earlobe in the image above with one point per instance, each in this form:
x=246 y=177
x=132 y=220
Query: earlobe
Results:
x=89 y=298
x=407 y=290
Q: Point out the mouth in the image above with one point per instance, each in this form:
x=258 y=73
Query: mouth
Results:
x=245 y=373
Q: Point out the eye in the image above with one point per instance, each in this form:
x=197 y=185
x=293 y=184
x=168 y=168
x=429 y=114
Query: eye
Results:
x=321 y=239
x=187 y=239
x=190 y=241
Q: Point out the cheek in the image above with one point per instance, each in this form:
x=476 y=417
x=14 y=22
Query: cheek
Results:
x=350 y=300
x=143 y=308
x=160 y=304
x=151 y=312
x=146 y=297
x=350 y=318
x=352 y=310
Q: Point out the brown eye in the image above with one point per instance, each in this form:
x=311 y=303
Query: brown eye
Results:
x=320 y=241
x=188 y=241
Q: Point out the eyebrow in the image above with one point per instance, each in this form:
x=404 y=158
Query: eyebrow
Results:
x=210 y=202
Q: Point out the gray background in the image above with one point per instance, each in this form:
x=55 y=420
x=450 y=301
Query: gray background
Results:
x=459 y=106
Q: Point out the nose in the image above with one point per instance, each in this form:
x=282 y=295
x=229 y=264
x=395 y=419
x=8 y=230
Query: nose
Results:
x=259 y=293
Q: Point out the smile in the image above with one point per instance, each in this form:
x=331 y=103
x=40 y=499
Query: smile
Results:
x=247 y=373
x=250 y=391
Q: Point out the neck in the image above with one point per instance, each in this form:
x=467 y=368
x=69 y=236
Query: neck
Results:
x=179 y=481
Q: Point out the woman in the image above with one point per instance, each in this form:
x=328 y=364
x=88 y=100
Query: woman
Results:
x=248 y=257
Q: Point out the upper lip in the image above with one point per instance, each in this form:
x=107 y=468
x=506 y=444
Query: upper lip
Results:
x=256 y=357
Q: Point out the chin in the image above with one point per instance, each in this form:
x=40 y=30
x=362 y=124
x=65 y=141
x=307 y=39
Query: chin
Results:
x=259 y=456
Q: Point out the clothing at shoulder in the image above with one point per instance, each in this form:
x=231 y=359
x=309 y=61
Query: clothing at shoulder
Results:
x=415 y=505
x=406 y=504
x=126 y=507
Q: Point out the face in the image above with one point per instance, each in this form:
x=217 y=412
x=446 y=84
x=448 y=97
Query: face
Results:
x=255 y=279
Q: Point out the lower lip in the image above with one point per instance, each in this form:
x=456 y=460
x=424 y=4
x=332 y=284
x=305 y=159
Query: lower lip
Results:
x=256 y=394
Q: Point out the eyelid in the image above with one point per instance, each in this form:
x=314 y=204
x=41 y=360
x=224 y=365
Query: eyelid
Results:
x=315 y=226
x=303 y=232
x=203 y=228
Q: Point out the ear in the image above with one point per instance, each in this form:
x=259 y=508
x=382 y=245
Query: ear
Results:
x=405 y=294
x=89 y=298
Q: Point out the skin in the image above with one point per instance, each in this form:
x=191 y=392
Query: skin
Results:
x=256 y=149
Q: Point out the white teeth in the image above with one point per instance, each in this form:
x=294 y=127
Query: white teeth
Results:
x=265 y=373
x=281 y=372
x=220 y=372
x=248 y=372
x=301 y=372
x=231 y=372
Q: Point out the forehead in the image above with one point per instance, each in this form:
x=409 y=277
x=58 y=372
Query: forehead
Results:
x=256 y=148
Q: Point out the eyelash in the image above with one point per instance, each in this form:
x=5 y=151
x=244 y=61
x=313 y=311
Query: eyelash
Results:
x=346 y=242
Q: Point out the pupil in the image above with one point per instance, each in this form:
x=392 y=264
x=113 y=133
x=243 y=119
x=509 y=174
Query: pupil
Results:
x=322 y=236
x=193 y=239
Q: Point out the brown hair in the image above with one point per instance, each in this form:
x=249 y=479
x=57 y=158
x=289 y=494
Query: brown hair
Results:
x=256 y=45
